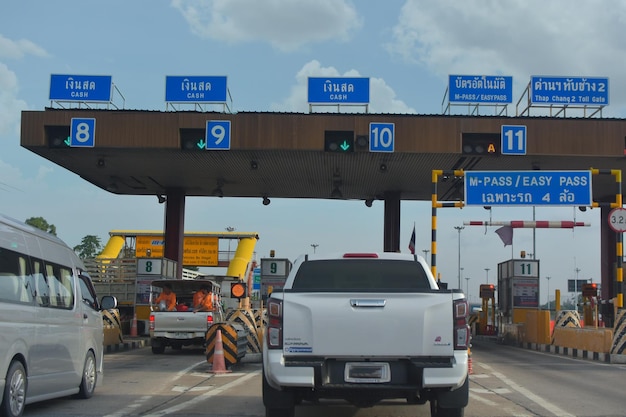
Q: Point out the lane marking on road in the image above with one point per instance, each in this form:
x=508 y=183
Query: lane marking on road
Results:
x=473 y=396
x=126 y=411
x=142 y=400
x=180 y=388
x=499 y=391
x=531 y=396
x=203 y=397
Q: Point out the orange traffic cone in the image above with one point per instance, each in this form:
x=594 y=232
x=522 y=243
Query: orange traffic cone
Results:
x=133 y=326
x=219 y=365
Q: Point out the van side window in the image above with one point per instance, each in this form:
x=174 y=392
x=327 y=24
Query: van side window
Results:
x=14 y=285
x=88 y=292
x=60 y=284
x=42 y=291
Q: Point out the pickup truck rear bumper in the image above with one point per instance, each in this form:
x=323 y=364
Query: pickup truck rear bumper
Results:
x=279 y=374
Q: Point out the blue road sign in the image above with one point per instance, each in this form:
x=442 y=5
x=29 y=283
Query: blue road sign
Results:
x=96 y=88
x=382 y=137
x=513 y=140
x=568 y=91
x=340 y=90
x=82 y=133
x=480 y=89
x=528 y=188
x=218 y=135
x=197 y=89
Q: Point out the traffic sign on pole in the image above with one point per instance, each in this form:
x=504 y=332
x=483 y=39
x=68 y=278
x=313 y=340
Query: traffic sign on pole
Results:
x=617 y=219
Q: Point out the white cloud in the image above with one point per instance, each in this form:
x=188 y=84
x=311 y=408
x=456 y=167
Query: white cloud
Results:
x=518 y=38
x=285 y=24
x=10 y=106
x=382 y=96
x=17 y=49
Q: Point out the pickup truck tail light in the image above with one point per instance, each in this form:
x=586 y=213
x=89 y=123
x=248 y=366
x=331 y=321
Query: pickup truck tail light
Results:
x=274 y=333
x=151 y=327
x=461 y=329
x=209 y=320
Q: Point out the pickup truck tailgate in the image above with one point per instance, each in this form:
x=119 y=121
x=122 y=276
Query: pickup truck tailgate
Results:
x=180 y=321
x=368 y=324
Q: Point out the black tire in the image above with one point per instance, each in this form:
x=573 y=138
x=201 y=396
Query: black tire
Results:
x=157 y=350
x=277 y=403
x=436 y=411
x=158 y=347
x=90 y=377
x=14 y=398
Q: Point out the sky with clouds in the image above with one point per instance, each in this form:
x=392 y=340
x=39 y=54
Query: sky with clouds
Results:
x=268 y=49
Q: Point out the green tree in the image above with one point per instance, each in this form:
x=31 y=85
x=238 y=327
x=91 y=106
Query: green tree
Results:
x=89 y=247
x=41 y=223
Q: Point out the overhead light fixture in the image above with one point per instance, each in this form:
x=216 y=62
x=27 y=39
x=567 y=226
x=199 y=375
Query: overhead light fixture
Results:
x=254 y=165
x=266 y=201
x=336 y=192
x=161 y=198
x=582 y=208
x=382 y=168
x=100 y=163
x=217 y=192
x=369 y=202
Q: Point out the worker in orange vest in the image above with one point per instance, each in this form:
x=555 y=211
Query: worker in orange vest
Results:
x=203 y=300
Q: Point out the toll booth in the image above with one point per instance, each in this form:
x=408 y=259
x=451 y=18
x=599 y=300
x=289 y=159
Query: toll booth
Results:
x=518 y=289
x=274 y=272
x=487 y=322
x=590 y=304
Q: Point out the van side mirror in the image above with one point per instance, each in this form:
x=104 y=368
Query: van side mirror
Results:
x=108 y=302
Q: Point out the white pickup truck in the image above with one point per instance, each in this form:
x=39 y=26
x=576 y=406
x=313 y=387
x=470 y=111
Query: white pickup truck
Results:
x=184 y=326
x=365 y=327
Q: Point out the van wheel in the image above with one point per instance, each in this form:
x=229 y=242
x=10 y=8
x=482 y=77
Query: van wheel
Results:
x=14 y=391
x=90 y=377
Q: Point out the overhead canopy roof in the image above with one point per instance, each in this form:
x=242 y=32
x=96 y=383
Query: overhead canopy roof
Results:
x=282 y=154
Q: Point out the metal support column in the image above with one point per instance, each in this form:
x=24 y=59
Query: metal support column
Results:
x=392 y=222
x=175 y=228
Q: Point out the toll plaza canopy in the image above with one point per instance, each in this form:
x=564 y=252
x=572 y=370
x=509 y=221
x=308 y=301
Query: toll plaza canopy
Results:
x=287 y=155
x=362 y=156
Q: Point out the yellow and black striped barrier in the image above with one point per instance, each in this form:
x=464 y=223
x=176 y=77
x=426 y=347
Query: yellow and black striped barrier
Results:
x=619 y=334
x=247 y=319
x=234 y=341
x=112 y=327
x=566 y=318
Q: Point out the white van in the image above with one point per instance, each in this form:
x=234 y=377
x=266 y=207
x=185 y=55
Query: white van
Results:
x=50 y=320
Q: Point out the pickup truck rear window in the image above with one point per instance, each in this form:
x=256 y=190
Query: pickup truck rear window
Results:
x=361 y=275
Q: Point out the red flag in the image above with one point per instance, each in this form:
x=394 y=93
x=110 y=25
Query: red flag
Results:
x=506 y=234
x=412 y=242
